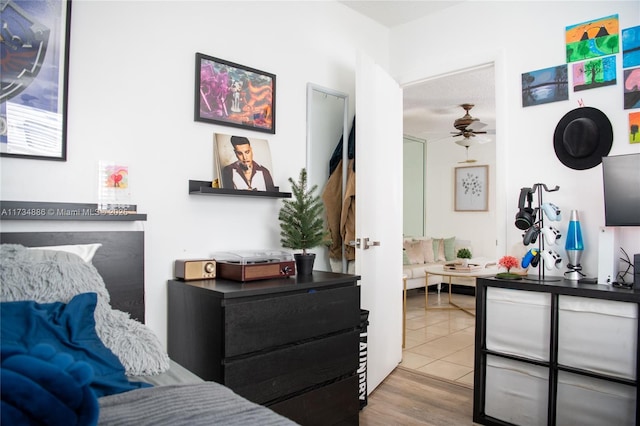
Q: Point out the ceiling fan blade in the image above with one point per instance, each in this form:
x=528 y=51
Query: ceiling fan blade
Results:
x=476 y=125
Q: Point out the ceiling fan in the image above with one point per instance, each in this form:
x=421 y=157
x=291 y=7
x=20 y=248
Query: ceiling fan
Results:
x=467 y=125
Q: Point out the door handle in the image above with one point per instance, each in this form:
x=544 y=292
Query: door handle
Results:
x=355 y=243
x=363 y=243
x=366 y=243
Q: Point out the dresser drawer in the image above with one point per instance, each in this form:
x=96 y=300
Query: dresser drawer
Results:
x=334 y=404
x=274 y=321
x=265 y=377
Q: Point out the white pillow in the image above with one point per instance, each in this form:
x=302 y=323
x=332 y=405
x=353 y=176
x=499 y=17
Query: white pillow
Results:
x=85 y=251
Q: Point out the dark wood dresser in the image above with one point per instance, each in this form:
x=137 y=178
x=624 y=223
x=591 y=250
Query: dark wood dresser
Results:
x=291 y=344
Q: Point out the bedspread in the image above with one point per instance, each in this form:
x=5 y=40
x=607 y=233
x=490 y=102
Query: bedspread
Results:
x=206 y=403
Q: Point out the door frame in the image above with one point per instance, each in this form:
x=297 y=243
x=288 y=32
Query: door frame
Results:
x=455 y=65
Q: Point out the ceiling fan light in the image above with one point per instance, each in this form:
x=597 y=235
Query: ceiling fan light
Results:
x=466 y=142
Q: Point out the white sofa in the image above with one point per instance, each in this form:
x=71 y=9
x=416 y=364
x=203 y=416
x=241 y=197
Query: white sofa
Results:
x=419 y=252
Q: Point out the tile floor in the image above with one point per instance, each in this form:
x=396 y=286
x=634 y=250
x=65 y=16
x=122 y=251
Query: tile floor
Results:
x=440 y=341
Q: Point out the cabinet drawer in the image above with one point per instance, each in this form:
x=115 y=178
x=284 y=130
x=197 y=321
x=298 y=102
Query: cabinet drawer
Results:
x=334 y=404
x=268 y=376
x=264 y=323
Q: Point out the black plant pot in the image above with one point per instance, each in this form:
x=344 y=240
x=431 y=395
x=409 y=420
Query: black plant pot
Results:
x=304 y=263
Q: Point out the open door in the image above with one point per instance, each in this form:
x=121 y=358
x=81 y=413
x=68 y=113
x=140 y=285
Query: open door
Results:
x=379 y=156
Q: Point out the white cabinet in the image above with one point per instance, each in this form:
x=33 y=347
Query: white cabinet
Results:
x=555 y=354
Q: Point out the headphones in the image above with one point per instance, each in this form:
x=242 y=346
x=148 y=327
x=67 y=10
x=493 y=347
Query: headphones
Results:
x=526 y=216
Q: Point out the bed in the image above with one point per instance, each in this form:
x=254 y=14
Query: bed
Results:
x=74 y=346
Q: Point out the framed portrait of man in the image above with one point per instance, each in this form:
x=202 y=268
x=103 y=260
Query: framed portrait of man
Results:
x=243 y=163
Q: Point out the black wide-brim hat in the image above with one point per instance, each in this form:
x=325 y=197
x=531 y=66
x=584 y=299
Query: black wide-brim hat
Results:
x=582 y=137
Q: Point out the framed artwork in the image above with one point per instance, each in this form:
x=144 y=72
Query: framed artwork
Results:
x=243 y=163
x=33 y=93
x=631 y=88
x=471 y=189
x=114 y=190
x=594 y=73
x=634 y=127
x=234 y=95
x=545 y=86
x=631 y=47
x=590 y=39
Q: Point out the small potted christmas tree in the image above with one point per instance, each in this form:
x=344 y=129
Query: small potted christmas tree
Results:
x=301 y=223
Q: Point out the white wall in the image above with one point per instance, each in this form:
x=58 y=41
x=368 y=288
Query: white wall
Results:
x=480 y=227
x=131 y=97
x=525 y=36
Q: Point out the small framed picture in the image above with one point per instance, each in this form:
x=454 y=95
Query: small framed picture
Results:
x=234 y=95
x=243 y=163
x=471 y=189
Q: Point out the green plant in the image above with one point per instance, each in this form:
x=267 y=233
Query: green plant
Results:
x=301 y=222
x=464 y=253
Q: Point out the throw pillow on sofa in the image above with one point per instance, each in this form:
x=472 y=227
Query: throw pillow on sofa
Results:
x=449 y=248
x=427 y=250
x=414 y=252
x=444 y=249
x=438 y=250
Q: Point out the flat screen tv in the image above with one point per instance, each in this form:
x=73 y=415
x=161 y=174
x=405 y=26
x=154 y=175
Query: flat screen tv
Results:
x=621 y=176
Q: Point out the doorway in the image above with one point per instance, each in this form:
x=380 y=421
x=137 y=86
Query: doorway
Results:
x=440 y=341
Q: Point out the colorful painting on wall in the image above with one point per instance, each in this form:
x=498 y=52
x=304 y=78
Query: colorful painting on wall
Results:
x=234 y=95
x=632 y=88
x=545 y=86
x=595 y=73
x=634 y=127
x=592 y=39
x=631 y=47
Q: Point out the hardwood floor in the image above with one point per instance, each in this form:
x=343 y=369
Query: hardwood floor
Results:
x=407 y=397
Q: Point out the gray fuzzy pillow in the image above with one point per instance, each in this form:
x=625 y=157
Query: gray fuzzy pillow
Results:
x=51 y=276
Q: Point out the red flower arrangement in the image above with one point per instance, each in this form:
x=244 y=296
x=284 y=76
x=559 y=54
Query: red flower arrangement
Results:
x=508 y=262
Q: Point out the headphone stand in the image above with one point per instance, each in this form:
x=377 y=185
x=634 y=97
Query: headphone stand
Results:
x=539 y=188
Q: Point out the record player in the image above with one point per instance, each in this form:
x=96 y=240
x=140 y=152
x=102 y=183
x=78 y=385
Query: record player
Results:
x=251 y=265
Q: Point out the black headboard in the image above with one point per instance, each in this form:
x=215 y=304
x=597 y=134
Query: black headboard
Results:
x=120 y=261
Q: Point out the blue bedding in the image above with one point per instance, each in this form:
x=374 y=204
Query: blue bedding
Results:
x=68 y=329
x=47 y=387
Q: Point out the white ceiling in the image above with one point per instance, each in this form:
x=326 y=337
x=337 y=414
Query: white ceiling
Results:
x=392 y=13
x=431 y=107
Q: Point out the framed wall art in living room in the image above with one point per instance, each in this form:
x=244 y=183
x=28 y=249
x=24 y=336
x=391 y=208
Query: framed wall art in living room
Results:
x=34 y=77
x=234 y=95
x=471 y=188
